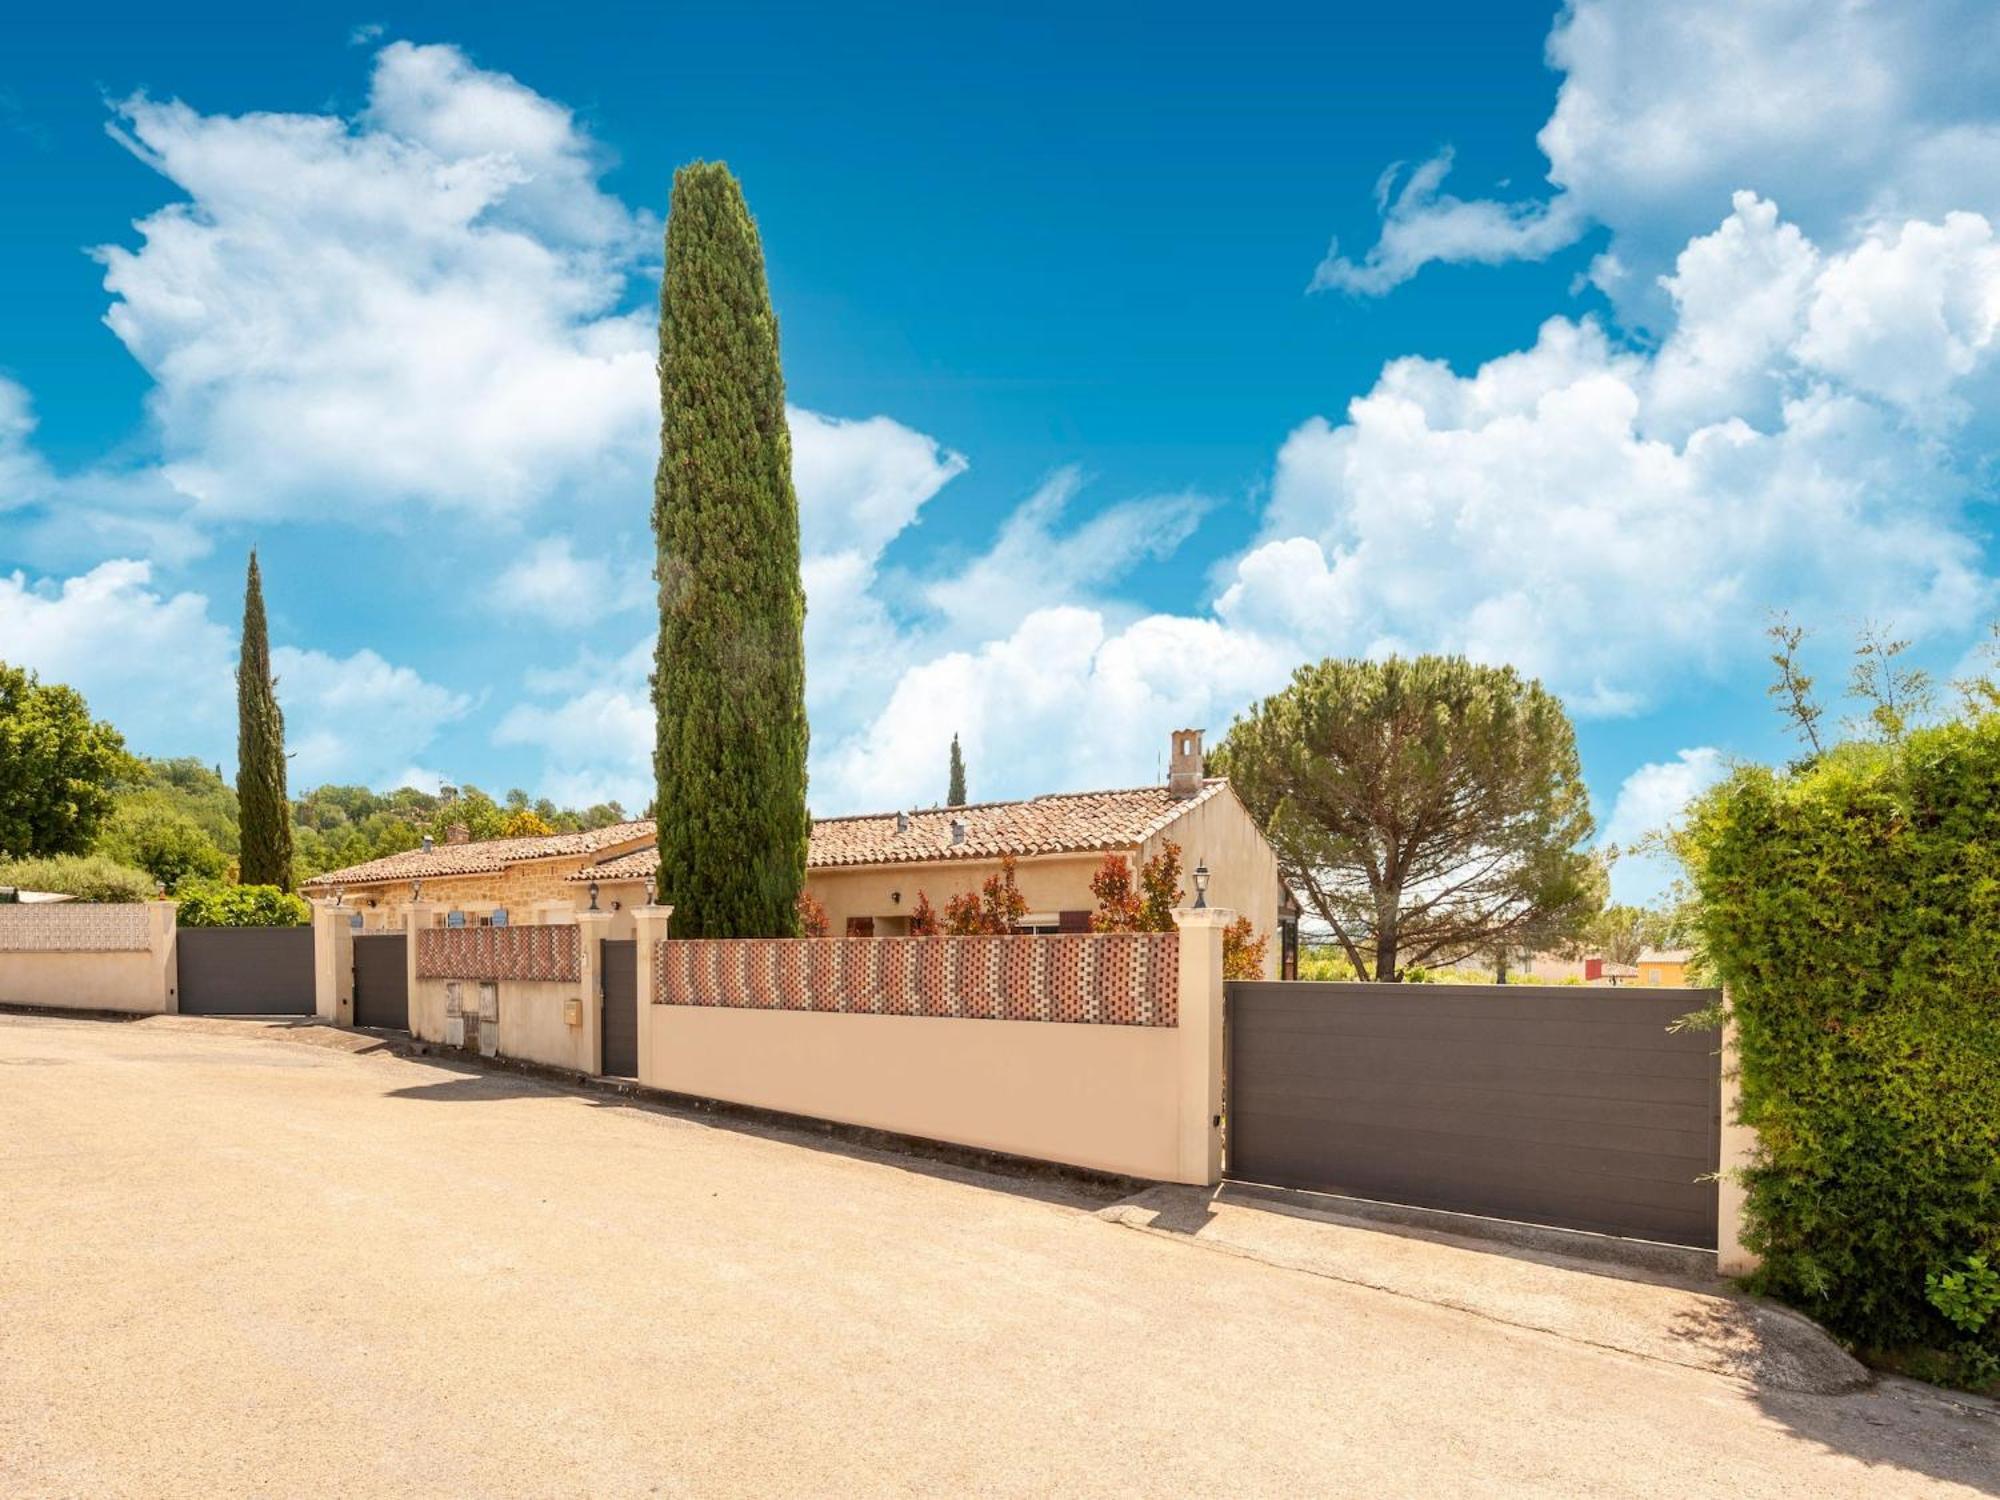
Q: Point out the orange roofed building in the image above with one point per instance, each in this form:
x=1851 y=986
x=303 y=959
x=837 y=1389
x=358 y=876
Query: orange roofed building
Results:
x=868 y=871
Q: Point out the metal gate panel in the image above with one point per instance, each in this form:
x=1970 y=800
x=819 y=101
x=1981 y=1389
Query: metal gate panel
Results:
x=382 y=980
x=1567 y=1105
x=245 y=971
x=620 y=970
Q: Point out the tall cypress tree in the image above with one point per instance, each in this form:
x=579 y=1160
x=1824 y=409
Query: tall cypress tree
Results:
x=729 y=673
x=263 y=811
x=955 y=797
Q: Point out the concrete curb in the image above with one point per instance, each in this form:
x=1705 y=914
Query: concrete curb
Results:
x=1646 y=1306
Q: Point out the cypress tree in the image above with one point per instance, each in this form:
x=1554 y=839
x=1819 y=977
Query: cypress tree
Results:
x=955 y=796
x=263 y=811
x=729 y=672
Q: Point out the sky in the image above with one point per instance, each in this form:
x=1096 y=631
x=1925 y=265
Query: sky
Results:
x=1133 y=359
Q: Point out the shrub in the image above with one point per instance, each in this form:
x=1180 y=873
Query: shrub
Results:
x=88 y=877
x=1851 y=905
x=209 y=904
x=993 y=909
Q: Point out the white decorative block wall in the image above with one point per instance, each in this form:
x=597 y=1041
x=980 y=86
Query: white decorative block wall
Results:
x=72 y=927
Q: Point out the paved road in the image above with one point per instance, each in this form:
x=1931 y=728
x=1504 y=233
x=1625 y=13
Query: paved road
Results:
x=235 y=1264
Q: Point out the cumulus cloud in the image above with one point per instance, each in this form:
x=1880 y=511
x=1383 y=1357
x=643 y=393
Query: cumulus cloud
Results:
x=1650 y=801
x=419 y=305
x=550 y=583
x=163 y=670
x=1873 y=110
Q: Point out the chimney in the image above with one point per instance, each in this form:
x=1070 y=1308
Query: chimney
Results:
x=458 y=833
x=958 y=830
x=428 y=843
x=902 y=822
x=1184 y=766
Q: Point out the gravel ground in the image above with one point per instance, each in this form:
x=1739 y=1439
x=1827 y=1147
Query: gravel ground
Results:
x=234 y=1264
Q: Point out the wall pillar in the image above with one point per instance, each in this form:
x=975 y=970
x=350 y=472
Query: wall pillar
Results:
x=649 y=924
x=1199 y=1073
x=162 y=939
x=591 y=930
x=1739 y=1147
x=419 y=917
x=333 y=962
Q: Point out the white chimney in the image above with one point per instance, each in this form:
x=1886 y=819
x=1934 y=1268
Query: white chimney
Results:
x=1184 y=765
x=958 y=830
x=427 y=841
x=902 y=822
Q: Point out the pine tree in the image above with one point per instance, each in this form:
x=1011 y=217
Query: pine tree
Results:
x=955 y=797
x=264 y=812
x=729 y=672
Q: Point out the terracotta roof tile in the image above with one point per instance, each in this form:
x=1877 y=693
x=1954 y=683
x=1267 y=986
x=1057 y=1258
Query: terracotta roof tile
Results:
x=1065 y=823
x=482 y=857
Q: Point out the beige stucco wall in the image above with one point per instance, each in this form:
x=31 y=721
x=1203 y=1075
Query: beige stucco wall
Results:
x=1739 y=1148
x=1242 y=869
x=531 y=1027
x=1138 y=1100
x=136 y=981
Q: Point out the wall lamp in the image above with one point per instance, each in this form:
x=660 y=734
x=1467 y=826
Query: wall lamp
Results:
x=1201 y=885
x=593 y=895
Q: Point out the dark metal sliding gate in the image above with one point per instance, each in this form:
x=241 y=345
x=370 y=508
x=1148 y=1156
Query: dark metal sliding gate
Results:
x=245 y=971
x=1562 y=1104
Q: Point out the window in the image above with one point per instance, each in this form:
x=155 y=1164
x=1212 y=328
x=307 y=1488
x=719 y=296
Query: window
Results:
x=499 y=917
x=454 y=919
x=861 y=927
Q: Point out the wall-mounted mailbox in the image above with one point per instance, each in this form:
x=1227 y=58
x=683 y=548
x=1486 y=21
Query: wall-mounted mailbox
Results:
x=573 y=1011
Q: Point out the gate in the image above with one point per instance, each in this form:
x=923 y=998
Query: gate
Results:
x=619 y=971
x=245 y=971
x=1564 y=1105
x=382 y=980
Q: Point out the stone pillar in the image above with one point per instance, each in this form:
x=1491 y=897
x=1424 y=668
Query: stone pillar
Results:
x=333 y=962
x=1739 y=1145
x=1200 y=1031
x=649 y=925
x=591 y=929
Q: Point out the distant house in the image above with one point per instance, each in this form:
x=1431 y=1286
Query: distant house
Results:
x=868 y=871
x=1664 y=968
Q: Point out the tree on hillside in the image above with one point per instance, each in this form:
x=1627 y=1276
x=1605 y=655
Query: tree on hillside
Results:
x=58 y=767
x=1619 y=933
x=264 y=811
x=1424 y=809
x=955 y=794
x=729 y=672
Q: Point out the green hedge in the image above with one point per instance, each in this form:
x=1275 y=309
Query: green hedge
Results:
x=87 y=877
x=1852 y=907
x=206 y=904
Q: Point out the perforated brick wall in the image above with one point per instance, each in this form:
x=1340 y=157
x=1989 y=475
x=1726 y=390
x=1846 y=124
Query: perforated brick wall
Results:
x=1106 y=979
x=72 y=927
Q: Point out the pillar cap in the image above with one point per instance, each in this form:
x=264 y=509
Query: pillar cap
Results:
x=1206 y=916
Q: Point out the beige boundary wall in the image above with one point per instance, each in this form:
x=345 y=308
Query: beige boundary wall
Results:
x=74 y=955
x=1739 y=1146
x=1140 y=1100
x=555 y=1022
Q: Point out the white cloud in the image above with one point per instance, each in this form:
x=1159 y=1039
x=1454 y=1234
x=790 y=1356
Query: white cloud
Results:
x=549 y=582
x=162 y=670
x=1870 y=110
x=1651 y=801
x=1422 y=224
x=419 y=305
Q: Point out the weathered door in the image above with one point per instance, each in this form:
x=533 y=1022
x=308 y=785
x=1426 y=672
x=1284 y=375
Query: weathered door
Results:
x=1564 y=1104
x=382 y=980
x=619 y=967
x=245 y=971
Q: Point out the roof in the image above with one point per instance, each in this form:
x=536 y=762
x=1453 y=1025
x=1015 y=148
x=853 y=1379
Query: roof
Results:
x=1062 y=823
x=1665 y=955
x=484 y=856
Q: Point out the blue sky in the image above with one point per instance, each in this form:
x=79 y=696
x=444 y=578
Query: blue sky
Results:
x=1641 y=323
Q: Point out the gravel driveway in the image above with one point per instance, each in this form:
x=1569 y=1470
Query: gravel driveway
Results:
x=236 y=1261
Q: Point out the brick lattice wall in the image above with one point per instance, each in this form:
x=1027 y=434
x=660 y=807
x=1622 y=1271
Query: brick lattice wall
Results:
x=1108 y=979
x=72 y=927
x=549 y=953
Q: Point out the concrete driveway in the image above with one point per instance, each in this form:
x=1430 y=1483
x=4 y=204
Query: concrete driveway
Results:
x=243 y=1262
